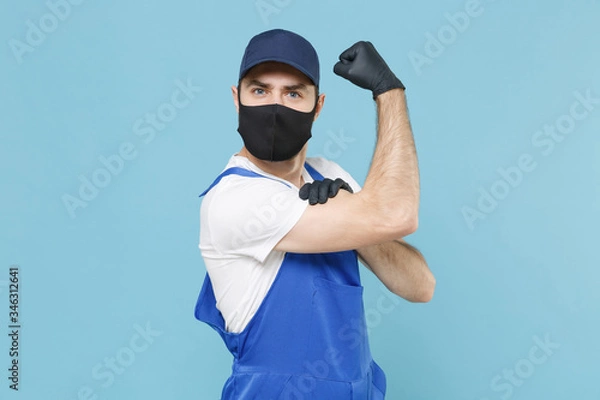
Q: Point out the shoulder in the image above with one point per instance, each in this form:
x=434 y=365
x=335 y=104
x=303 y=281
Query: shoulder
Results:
x=248 y=215
x=323 y=165
x=236 y=195
x=242 y=183
x=332 y=170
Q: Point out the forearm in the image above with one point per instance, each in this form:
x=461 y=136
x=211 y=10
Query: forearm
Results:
x=393 y=178
x=401 y=268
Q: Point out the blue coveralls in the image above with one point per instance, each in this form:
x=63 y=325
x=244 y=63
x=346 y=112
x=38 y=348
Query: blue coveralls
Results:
x=308 y=338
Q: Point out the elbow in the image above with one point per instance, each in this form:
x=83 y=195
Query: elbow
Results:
x=419 y=293
x=413 y=223
x=394 y=218
x=425 y=294
x=403 y=224
x=405 y=220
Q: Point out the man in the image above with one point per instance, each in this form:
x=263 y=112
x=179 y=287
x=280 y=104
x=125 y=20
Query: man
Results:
x=282 y=286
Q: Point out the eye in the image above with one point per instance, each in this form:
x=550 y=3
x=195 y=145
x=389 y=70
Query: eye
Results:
x=258 y=91
x=295 y=95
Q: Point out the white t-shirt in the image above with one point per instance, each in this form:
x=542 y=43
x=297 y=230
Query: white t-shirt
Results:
x=241 y=221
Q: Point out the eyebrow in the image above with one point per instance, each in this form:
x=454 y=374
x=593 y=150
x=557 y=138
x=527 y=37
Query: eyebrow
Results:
x=256 y=82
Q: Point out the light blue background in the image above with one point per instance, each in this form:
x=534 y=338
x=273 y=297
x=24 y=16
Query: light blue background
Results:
x=530 y=268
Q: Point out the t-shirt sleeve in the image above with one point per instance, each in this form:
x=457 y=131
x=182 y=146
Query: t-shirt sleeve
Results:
x=249 y=216
x=332 y=170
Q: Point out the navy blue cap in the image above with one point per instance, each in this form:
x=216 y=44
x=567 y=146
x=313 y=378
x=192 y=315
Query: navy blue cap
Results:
x=285 y=47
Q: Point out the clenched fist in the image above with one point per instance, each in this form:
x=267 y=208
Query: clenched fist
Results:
x=362 y=65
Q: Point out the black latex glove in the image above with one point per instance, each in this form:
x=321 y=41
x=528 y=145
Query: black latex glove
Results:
x=320 y=191
x=362 y=65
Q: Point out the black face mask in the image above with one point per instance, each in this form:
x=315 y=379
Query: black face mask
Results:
x=274 y=132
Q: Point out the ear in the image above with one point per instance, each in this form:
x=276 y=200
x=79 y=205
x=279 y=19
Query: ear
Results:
x=234 y=93
x=320 y=103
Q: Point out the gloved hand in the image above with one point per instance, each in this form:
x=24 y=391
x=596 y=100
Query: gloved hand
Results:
x=320 y=191
x=362 y=65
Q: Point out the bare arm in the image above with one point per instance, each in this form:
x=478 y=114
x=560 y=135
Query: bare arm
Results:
x=394 y=174
x=402 y=269
x=387 y=206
